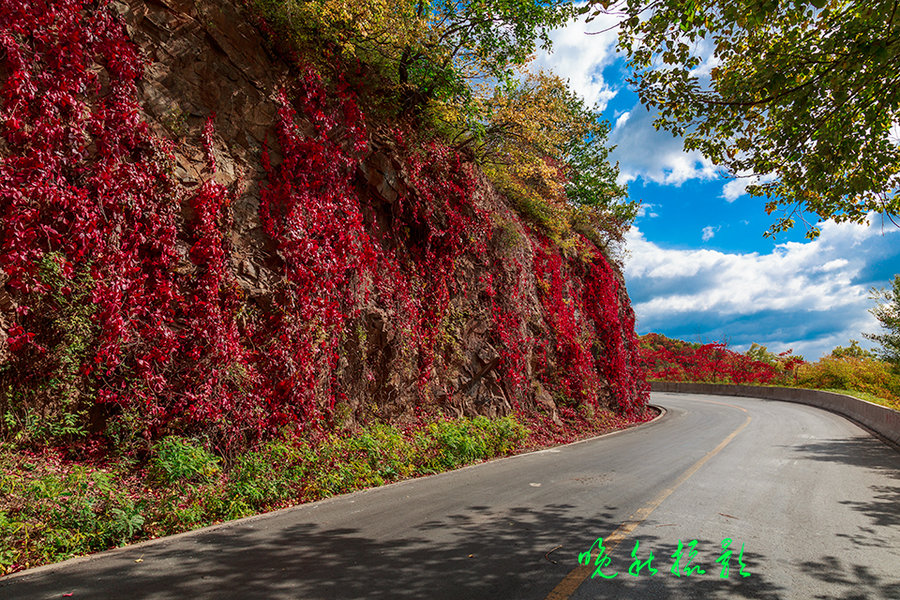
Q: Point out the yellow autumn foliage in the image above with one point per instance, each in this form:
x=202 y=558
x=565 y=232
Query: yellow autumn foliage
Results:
x=530 y=138
x=463 y=71
x=356 y=27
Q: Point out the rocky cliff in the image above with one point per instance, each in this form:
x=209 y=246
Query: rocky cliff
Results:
x=200 y=234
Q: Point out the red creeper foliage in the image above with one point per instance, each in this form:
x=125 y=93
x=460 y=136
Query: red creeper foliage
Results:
x=126 y=311
x=674 y=360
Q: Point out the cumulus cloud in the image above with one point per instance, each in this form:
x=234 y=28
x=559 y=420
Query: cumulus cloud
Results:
x=736 y=188
x=709 y=232
x=894 y=134
x=704 y=70
x=657 y=156
x=581 y=58
x=642 y=151
x=807 y=296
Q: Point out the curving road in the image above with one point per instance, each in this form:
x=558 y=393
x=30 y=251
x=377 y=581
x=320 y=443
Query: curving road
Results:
x=813 y=499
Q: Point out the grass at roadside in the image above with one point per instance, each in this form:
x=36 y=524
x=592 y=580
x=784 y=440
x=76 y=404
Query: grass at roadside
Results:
x=868 y=397
x=59 y=503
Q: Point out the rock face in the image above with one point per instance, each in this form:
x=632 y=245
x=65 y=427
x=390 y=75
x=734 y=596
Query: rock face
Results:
x=207 y=59
x=451 y=303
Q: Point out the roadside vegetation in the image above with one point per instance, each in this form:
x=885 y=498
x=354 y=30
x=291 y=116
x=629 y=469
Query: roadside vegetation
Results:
x=142 y=394
x=849 y=370
x=61 y=501
x=667 y=359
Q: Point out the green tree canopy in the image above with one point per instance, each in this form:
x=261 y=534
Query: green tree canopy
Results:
x=887 y=311
x=803 y=96
x=854 y=350
x=431 y=49
x=547 y=150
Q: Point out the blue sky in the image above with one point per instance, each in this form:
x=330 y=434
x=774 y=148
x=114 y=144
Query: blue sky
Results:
x=698 y=266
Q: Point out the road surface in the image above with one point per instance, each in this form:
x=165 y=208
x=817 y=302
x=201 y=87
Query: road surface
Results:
x=810 y=502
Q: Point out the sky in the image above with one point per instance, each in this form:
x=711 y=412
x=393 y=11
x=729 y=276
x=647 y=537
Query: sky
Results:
x=697 y=265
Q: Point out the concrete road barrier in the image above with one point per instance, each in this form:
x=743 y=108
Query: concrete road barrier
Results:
x=880 y=419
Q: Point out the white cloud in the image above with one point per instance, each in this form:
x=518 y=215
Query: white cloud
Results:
x=657 y=156
x=709 y=232
x=894 y=134
x=704 y=70
x=642 y=151
x=807 y=296
x=736 y=188
x=645 y=209
x=834 y=265
x=581 y=58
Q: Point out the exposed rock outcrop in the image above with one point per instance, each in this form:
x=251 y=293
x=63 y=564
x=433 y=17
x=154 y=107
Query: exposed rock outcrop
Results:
x=516 y=320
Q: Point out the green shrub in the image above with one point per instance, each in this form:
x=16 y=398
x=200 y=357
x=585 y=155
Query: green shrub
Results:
x=51 y=514
x=387 y=450
x=336 y=469
x=269 y=474
x=859 y=374
x=52 y=510
x=9 y=528
x=450 y=444
x=176 y=459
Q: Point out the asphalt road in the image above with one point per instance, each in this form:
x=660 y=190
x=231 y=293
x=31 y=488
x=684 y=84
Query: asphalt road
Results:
x=813 y=500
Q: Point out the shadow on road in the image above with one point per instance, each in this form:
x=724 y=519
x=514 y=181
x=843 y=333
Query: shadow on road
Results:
x=869 y=453
x=883 y=509
x=478 y=553
x=858 y=581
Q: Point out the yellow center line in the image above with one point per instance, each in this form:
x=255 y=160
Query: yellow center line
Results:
x=576 y=577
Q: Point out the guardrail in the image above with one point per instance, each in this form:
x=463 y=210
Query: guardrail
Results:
x=880 y=419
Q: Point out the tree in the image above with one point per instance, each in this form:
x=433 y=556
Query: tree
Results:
x=786 y=360
x=477 y=39
x=854 y=350
x=547 y=150
x=760 y=353
x=431 y=49
x=887 y=311
x=800 y=96
x=460 y=69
